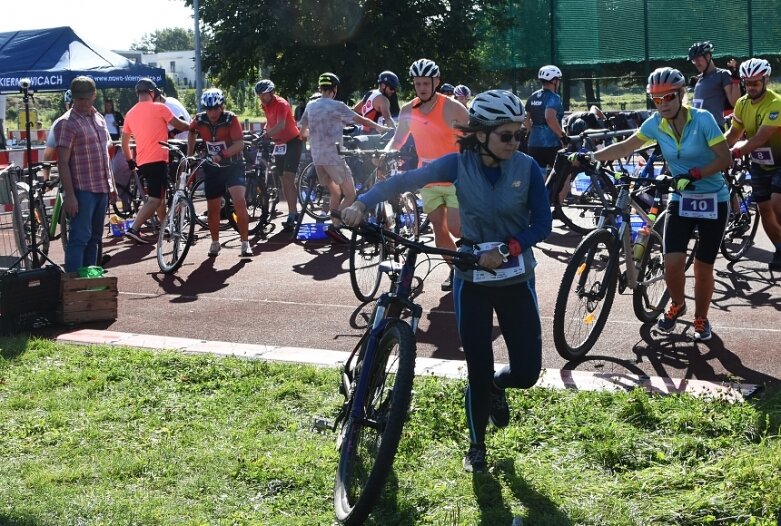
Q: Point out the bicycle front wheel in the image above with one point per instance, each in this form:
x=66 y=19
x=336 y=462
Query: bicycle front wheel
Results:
x=742 y=226
x=176 y=234
x=365 y=258
x=586 y=295
x=200 y=206
x=650 y=296
x=41 y=222
x=580 y=208
x=368 y=445
x=313 y=197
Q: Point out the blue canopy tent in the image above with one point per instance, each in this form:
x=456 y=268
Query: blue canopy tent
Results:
x=51 y=58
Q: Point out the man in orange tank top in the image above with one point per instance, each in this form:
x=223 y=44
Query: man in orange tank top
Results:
x=431 y=118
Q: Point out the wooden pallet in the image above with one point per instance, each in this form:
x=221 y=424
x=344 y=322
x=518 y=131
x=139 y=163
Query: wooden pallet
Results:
x=87 y=299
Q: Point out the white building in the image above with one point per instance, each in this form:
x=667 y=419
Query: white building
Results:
x=179 y=65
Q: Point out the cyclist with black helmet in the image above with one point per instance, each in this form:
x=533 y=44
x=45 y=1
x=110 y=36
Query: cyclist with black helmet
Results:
x=223 y=136
x=504 y=213
x=430 y=118
x=147 y=122
x=544 y=112
x=281 y=128
x=696 y=152
x=323 y=121
x=758 y=115
x=714 y=89
x=447 y=89
x=382 y=104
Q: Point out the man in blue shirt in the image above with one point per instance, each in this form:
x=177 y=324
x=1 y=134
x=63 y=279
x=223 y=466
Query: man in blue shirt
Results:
x=544 y=112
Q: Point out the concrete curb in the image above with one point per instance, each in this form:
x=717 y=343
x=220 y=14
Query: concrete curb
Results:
x=551 y=378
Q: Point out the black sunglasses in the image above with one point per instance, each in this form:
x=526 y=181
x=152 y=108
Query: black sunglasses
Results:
x=509 y=136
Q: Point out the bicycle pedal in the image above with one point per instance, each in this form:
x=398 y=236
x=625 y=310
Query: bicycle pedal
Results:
x=322 y=424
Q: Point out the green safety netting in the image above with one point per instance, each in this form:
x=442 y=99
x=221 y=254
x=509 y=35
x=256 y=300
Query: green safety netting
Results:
x=589 y=33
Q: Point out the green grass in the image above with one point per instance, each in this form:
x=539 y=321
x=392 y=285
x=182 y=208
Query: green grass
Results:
x=108 y=436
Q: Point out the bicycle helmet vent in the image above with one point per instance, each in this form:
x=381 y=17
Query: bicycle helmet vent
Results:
x=755 y=67
x=424 y=68
x=495 y=107
x=664 y=80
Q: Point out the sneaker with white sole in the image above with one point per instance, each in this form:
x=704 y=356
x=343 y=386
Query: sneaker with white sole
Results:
x=214 y=249
x=136 y=236
x=474 y=460
x=246 y=251
x=702 y=329
x=667 y=323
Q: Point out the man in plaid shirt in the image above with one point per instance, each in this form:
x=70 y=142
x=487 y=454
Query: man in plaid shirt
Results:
x=83 y=144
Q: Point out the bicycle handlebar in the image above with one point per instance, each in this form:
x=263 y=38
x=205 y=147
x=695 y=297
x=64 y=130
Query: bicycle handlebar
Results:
x=465 y=261
x=374 y=154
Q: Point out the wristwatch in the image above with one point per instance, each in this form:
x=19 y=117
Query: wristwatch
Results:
x=504 y=250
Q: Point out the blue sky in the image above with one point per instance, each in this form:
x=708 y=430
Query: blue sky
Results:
x=111 y=24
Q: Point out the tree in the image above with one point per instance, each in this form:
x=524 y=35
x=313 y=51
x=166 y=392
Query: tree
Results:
x=293 y=41
x=170 y=39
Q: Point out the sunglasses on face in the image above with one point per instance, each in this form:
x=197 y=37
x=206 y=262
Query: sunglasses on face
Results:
x=509 y=136
x=664 y=98
x=753 y=83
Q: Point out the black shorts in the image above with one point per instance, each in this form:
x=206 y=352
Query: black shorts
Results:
x=289 y=161
x=218 y=178
x=679 y=230
x=764 y=183
x=544 y=156
x=156 y=177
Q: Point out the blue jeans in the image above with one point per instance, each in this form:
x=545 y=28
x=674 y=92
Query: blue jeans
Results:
x=86 y=229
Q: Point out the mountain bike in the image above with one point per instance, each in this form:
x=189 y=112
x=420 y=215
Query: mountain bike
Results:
x=177 y=232
x=744 y=217
x=592 y=275
x=377 y=384
x=263 y=184
x=41 y=218
x=400 y=213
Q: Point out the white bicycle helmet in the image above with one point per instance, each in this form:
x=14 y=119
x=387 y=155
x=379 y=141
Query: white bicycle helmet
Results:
x=755 y=67
x=211 y=98
x=548 y=73
x=462 y=91
x=424 y=67
x=495 y=107
x=664 y=80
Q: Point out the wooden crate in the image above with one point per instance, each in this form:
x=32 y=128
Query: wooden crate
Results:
x=87 y=299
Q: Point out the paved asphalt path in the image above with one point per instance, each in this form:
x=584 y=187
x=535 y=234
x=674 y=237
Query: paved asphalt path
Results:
x=298 y=294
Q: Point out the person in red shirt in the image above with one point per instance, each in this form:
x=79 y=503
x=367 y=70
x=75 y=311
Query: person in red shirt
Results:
x=147 y=122
x=281 y=128
x=221 y=131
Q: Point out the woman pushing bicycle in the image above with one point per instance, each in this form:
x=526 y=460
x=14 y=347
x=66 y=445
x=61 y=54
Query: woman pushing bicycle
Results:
x=696 y=152
x=504 y=213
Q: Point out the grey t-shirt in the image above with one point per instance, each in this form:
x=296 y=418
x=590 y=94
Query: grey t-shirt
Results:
x=325 y=119
x=709 y=93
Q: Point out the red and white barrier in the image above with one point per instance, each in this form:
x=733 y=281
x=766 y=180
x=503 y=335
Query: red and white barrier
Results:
x=19 y=157
x=21 y=135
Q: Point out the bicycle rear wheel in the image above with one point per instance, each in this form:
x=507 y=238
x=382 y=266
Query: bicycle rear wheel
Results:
x=408 y=217
x=742 y=226
x=176 y=234
x=200 y=206
x=368 y=445
x=586 y=295
x=312 y=196
x=650 y=296
x=129 y=199
x=41 y=222
x=365 y=258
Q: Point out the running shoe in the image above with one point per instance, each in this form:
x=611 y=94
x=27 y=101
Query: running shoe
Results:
x=474 y=461
x=246 y=251
x=702 y=330
x=335 y=234
x=214 y=249
x=447 y=285
x=667 y=324
x=290 y=222
x=136 y=236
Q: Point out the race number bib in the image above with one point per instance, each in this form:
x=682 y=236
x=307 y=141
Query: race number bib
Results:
x=699 y=206
x=513 y=267
x=763 y=156
x=216 y=148
x=280 y=149
x=697 y=103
